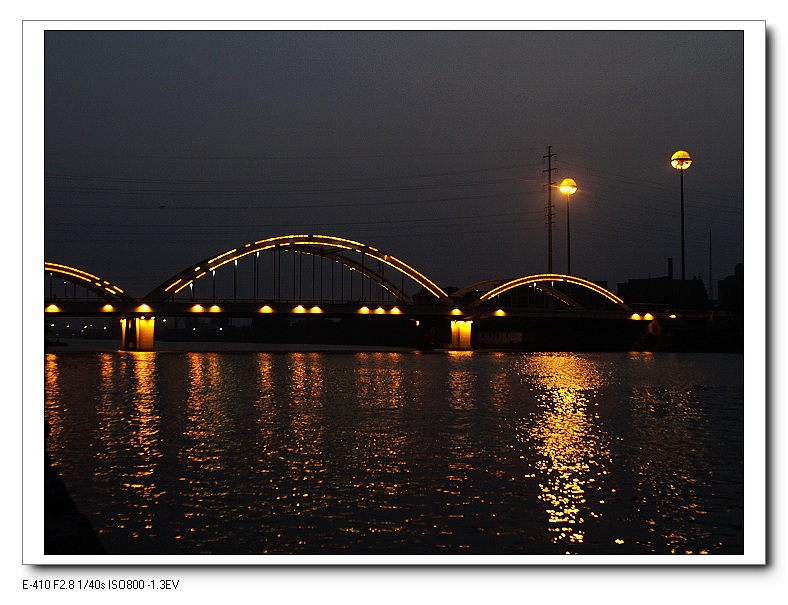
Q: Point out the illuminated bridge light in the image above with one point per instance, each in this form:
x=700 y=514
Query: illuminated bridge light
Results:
x=364 y=310
x=108 y=308
x=552 y=278
x=328 y=247
x=395 y=311
x=299 y=309
x=197 y=309
x=215 y=308
x=379 y=311
x=52 y=309
x=456 y=312
x=672 y=316
x=648 y=316
x=315 y=309
x=188 y=283
x=266 y=309
x=500 y=312
x=635 y=316
x=143 y=308
x=215 y=258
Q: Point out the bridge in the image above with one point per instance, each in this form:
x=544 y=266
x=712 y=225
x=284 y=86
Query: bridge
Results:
x=309 y=276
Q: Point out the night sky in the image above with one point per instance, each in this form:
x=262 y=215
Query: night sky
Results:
x=166 y=147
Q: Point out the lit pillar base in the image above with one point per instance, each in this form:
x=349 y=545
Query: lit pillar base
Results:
x=461 y=334
x=137 y=333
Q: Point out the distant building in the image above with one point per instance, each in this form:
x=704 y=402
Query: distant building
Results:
x=730 y=291
x=664 y=292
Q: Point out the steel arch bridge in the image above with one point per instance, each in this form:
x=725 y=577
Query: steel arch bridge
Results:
x=334 y=249
x=325 y=246
x=488 y=290
x=101 y=287
x=480 y=301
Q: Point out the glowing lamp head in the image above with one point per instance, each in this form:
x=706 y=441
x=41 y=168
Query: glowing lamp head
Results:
x=567 y=186
x=681 y=160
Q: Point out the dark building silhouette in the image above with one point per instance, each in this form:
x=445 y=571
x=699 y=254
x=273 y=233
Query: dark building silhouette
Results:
x=730 y=291
x=664 y=292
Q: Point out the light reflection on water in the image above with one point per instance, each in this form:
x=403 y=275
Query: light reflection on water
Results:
x=254 y=453
x=572 y=450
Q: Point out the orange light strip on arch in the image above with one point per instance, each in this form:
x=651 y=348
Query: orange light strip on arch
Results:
x=419 y=278
x=544 y=277
x=232 y=258
x=72 y=271
x=191 y=281
x=93 y=280
x=321 y=240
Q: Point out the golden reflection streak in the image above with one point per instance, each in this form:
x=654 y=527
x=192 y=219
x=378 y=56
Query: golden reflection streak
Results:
x=265 y=418
x=204 y=450
x=134 y=457
x=206 y=415
x=301 y=450
x=145 y=423
x=499 y=385
x=52 y=396
x=462 y=382
x=380 y=380
x=110 y=414
x=573 y=451
x=376 y=448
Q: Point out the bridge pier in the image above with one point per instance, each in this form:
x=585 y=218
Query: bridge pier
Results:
x=137 y=333
x=461 y=334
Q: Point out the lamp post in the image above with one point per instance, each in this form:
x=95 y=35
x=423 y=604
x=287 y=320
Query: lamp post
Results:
x=568 y=187
x=681 y=160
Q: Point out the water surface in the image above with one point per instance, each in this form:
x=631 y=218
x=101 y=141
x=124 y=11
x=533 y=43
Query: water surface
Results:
x=401 y=453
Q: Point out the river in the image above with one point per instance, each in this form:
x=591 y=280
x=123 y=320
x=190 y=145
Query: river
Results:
x=401 y=452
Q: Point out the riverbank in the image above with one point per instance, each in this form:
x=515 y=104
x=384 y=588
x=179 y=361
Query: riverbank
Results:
x=66 y=530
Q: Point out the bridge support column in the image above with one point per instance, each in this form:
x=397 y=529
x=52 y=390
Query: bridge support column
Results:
x=461 y=334
x=137 y=333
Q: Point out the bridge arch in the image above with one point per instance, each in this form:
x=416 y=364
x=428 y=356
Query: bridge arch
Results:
x=101 y=287
x=326 y=246
x=542 y=280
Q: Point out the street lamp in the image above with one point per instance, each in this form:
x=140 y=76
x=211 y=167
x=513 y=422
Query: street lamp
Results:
x=568 y=187
x=681 y=160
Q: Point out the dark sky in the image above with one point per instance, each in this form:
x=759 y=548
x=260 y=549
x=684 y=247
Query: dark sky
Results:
x=166 y=147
